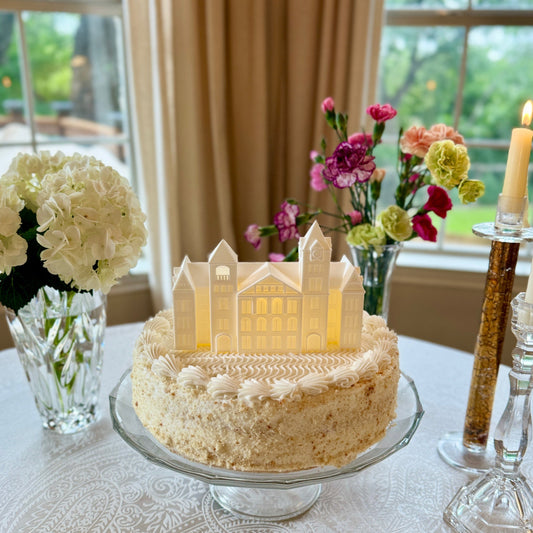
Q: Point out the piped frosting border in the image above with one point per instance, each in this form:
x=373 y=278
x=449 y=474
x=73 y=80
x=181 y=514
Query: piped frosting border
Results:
x=256 y=377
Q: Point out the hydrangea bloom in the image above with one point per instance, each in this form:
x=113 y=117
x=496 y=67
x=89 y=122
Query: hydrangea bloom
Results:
x=12 y=246
x=90 y=224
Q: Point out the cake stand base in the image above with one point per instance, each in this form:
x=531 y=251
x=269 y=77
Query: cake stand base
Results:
x=496 y=502
x=266 y=504
x=456 y=454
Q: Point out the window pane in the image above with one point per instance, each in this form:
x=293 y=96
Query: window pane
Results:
x=498 y=81
x=502 y=4
x=12 y=110
x=78 y=87
x=426 y=4
x=419 y=69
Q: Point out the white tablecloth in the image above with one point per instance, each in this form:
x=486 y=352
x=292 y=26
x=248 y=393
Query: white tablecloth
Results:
x=94 y=482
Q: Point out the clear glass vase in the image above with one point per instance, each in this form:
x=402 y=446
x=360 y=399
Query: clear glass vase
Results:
x=376 y=264
x=59 y=339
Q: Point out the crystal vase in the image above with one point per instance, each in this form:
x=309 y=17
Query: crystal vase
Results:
x=59 y=339
x=376 y=264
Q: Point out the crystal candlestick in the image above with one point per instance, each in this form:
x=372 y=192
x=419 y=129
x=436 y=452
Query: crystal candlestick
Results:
x=470 y=449
x=501 y=499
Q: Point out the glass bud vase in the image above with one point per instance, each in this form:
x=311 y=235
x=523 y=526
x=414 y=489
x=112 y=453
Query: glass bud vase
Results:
x=376 y=264
x=59 y=339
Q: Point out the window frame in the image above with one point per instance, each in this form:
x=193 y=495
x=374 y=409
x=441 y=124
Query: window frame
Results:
x=455 y=256
x=108 y=8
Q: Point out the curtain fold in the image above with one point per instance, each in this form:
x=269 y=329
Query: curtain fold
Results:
x=227 y=96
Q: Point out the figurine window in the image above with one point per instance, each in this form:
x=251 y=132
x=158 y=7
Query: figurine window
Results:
x=292 y=307
x=261 y=324
x=222 y=273
x=262 y=306
x=276 y=324
x=277 y=306
x=292 y=324
x=315 y=284
x=246 y=307
x=246 y=324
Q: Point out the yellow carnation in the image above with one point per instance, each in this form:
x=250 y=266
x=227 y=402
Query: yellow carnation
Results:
x=470 y=190
x=395 y=221
x=366 y=235
x=448 y=163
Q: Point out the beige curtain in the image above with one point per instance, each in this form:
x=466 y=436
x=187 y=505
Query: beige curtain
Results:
x=227 y=96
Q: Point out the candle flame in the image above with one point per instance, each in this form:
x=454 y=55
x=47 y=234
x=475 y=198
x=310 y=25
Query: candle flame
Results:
x=526 y=113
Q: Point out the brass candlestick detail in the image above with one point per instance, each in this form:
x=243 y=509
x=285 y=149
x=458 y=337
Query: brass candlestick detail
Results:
x=468 y=450
x=487 y=353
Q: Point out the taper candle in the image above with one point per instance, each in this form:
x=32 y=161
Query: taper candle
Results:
x=515 y=181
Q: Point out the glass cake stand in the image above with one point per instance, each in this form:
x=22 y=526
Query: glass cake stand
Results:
x=272 y=495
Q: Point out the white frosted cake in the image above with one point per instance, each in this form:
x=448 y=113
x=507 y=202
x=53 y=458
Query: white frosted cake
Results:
x=267 y=366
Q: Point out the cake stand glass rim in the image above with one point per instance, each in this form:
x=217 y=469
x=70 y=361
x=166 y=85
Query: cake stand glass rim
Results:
x=130 y=428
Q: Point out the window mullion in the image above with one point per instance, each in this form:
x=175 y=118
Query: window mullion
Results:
x=26 y=80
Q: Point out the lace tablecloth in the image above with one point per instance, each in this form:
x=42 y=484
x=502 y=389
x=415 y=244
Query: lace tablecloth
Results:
x=94 y=482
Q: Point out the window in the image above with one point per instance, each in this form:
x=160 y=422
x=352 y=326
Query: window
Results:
x=262 y=306
x=63 y=82
x=222 y=273
x=465 y=63
x=277 y=306
x=246 y=307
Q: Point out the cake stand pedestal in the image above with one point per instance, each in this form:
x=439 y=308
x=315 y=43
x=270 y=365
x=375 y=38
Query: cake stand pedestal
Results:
x=270 y=496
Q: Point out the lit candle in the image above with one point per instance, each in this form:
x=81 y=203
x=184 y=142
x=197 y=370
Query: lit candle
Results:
x=515 y=182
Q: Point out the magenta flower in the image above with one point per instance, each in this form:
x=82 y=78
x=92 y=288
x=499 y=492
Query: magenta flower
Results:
x=276 y=258
x=313 y=154
x=285 y=221
x=356 y=217
x=438 y=202
x=317 y=181
x=253 y=236
x=328 y=104
x=347 y=165
x=424 y=228
x=360 y=138
x=381 y=113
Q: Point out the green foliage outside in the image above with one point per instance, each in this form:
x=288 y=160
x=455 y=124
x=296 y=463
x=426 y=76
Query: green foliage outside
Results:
x=419 y=75
x=50 y=44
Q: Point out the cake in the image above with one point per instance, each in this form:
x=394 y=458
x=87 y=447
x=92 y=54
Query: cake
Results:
x=267 y=367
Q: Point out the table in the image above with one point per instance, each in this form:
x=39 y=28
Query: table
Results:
x=94 y=482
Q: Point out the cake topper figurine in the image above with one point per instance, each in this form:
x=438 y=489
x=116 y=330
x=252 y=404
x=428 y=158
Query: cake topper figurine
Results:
x=312 y=305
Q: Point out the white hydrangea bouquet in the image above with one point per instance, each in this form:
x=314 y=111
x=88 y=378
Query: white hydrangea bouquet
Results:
x=66 y=222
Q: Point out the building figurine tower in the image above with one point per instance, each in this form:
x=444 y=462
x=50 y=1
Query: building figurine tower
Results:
x=226 y=306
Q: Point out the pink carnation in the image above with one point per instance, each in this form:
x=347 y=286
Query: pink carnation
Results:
x=313 y=154
x=381 y=113
x=253 y=236
x=328 y=104
x=356 y=217
x=317 y=181
x=415 y=141
x=285 y=221
x=360 y=138
x=276 y=258
x=440 y=132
